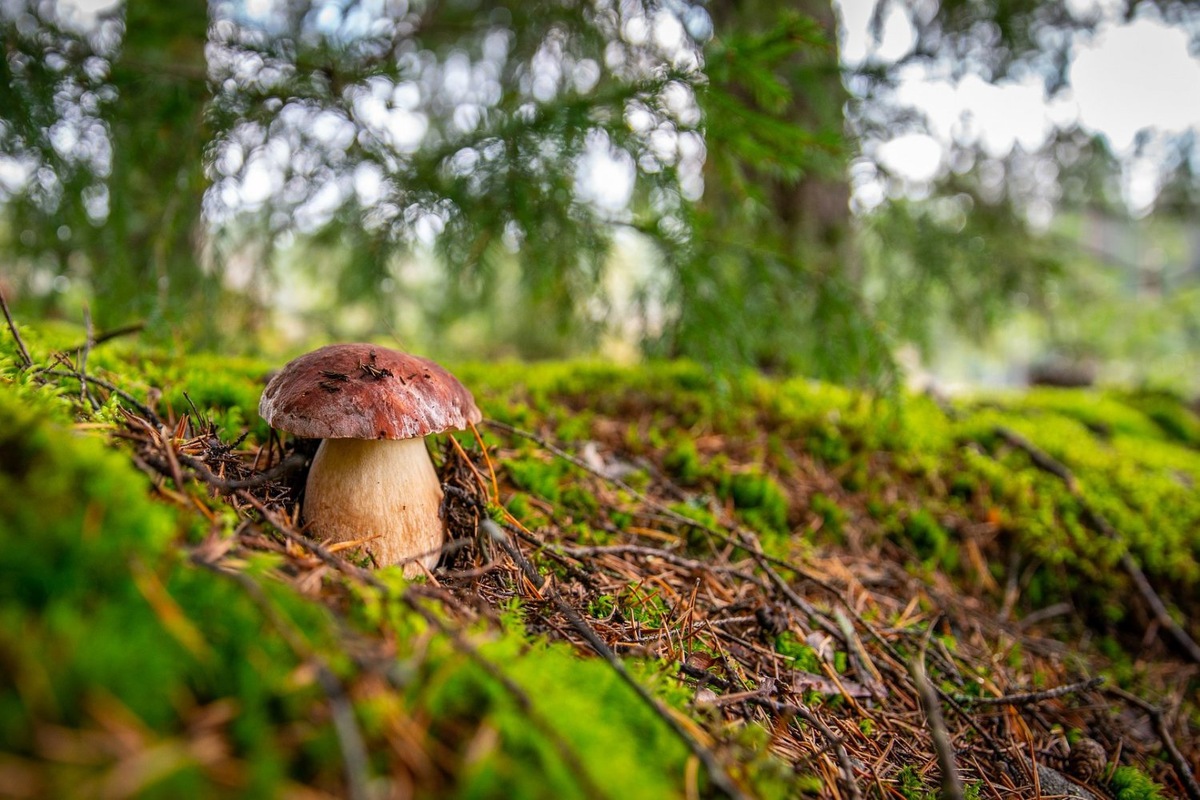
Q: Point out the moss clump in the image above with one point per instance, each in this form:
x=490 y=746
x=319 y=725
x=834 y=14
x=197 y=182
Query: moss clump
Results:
x=758 y=497
x=683 y=462
x=1131 y=784
x=833 y=517
x=103 y=624
x=928 y=538
x=536 y=476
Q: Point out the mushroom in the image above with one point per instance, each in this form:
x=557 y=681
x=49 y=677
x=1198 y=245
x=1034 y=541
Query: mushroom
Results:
x=372 y=478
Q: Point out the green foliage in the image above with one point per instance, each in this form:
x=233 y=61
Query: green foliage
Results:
x=92 y=588
x=624 y=745
x=911 y=785
x=833 y=517
x=758 y=497
x=804 y=656
x=684 y=462
x=1131 y=784
x=928 y=538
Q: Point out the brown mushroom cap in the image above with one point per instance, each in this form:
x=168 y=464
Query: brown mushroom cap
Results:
x=364 y=391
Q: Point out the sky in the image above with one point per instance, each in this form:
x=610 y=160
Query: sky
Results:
x=1127 y=77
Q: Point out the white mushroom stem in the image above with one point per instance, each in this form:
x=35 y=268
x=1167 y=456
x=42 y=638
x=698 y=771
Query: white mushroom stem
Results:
x=381 y=492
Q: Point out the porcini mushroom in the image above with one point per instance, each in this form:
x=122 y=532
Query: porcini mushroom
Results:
x=372 y=479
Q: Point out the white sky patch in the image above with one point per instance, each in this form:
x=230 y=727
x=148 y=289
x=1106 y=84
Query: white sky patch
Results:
x=604 y=177
x=83 y=13
x=858 y=44
x=997 y=116
x=1134 y=77
x=915 y=156
x=1127 y=78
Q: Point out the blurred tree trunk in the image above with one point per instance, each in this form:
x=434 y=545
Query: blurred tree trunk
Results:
x=145 y=259
x=775 y=267
x=813 y=212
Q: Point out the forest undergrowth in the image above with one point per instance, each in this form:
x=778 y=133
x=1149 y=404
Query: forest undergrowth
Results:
x=660 y=582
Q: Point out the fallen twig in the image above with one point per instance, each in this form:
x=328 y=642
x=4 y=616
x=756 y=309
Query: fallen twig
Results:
x=141 y=407
x=716 y=772
x=952 y=788
x=1158 y=719
x=109 y=335
x=1026 y=698
x=12 y=327
x=835 y=741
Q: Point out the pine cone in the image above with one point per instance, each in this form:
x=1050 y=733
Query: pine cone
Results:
x=1087 y=760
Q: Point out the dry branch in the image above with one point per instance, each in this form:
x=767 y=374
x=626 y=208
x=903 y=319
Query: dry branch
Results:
x=12 y=328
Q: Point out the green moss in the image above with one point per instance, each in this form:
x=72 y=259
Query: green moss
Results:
x=1131 y=784
x=833 y=517
x=683 y=462
x=759 y=497
x=929 y=539
x=536 y=476
x=804 y=656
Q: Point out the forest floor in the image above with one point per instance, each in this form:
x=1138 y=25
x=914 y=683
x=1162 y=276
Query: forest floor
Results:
x=660 y=582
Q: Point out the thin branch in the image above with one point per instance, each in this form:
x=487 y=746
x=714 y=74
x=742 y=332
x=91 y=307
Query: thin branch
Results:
x=109 y=335
x=835 y=741
x=662 y=555
x=12 y=327
x=292 y=463
x=141 y=407
x=716 y=772
x=1028 y=698
x=85 y=394
x=1158 y=718
x=952 y=788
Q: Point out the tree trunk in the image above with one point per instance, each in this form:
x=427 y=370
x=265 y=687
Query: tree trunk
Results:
x=145 y=259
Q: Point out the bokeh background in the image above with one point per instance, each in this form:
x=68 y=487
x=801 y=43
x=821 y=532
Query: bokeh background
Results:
x=962 y=193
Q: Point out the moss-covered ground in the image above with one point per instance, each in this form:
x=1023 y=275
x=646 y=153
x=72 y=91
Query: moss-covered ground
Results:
x=774 y=562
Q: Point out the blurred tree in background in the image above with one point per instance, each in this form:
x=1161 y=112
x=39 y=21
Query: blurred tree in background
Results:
x=530 y=178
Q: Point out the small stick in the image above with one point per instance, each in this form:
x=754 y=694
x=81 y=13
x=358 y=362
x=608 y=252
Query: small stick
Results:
x=1038 y=456
x=1026 y=698
x=141 y=407
x=716 y=773
x=488 y=459
x=835 y=741
x=662 y=555
x=106 y=336
x=952 y=788
x=84 y=393
x=1186 y=777
x=12 y=327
